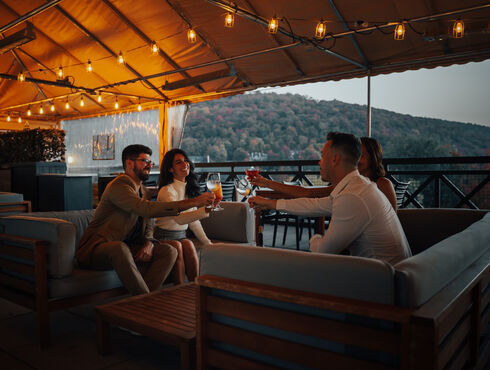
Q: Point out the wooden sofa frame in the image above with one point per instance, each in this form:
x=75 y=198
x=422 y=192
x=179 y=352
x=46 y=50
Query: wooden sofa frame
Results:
x=450 y=331
x=16 y=207
x=31 y=260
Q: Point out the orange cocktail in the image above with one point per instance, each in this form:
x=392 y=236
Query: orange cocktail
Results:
x=218 y=192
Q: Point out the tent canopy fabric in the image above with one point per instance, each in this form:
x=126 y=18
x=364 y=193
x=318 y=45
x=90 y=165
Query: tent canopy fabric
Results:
x=222 y=61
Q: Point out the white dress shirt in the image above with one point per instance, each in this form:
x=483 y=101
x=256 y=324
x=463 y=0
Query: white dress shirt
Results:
x=363 y=220
x=189 y=218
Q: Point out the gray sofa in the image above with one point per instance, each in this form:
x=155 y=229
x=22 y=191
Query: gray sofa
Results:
x=37 y=258
x=264 y=306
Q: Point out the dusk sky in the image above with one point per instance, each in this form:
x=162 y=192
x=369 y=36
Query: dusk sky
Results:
x=456 y=93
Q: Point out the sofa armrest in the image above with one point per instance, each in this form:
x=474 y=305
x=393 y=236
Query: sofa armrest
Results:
x=236 y=223
x=59 y=234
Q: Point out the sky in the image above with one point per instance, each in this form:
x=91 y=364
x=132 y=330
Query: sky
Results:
x=457 y=93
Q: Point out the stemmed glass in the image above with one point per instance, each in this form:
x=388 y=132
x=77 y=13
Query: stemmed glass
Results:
x=213 y=182
x=242 y=186
x=252 y=173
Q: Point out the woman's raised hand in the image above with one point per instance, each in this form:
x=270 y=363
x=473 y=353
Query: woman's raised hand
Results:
x=205 y=199
x=259 y=181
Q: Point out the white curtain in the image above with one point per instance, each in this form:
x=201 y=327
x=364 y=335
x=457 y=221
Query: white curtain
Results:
x=176 y=115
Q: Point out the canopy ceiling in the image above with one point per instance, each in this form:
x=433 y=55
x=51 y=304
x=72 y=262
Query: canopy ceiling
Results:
x=223 y=60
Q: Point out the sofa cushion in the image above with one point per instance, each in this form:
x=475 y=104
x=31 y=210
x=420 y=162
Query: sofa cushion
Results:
x=80 y=219
x=426 y=227
x=419 y=278
x=236 y=223
x=83 y=282
x=60 y=235
x=343 y=276
x=6 y=197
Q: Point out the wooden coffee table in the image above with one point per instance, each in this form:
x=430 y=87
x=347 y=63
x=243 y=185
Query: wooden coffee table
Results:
x=167 y=315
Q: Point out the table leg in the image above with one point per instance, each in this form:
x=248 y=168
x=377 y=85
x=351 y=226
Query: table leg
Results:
x=103 y=336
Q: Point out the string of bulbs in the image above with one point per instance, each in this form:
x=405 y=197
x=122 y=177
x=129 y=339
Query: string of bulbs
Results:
x=229 y=21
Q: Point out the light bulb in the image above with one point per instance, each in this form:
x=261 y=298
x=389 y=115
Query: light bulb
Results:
x=273 y=25
x=8 y=117
x=458 y=29
x=116 y=104
x=82 y=103
x=99 y=98
x=399 y=31
x=154 y=47
x=89 y=66
x=191 y=36
x=52 y=107
x=60 y=72
x=120 y=59
x=320 y=30
x=229 y=20
x=67 y=105
x=29 y=112
x=21 y=77
x=19 y=120
x=139 y=105
x=41 y=109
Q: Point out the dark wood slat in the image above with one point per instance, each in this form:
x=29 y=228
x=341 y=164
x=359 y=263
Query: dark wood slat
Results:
x=461 y=359
x=453 y=315
x=218 y=358
x=485 y=321
x=454 y=342
x=13 y=282
x=22 y=240
x=17 y=252
x=288 y=351
x=25 y=300
x=18 y=267
x=308 y=325
x=345 y=305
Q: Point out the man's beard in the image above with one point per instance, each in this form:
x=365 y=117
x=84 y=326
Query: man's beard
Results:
x=141 y=175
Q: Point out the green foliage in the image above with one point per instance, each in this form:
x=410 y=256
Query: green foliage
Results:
x=37 y=145
x=286 y=126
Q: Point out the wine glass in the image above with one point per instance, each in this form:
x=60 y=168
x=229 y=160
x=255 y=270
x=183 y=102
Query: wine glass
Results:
x=252 y=172
x=242 y=186
x=213 y=182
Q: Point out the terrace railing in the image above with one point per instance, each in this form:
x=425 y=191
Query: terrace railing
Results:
x=443 y=182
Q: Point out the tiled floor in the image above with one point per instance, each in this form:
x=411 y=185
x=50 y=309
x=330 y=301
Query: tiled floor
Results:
x=74 y=337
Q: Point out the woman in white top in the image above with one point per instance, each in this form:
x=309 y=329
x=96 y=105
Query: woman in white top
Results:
x=177 y=182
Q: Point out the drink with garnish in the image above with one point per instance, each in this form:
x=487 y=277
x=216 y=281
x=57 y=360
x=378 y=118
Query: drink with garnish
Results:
x=242 y=186
x=213 y=182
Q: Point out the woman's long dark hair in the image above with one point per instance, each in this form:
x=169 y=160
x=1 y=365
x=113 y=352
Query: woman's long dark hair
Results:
x=375 y=152
x=166 y=177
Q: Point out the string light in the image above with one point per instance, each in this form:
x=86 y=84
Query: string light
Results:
x=191 y=36
x=21 y=77
x=399 y=31
x=139 y=105
x=19 y=120
x=320 y=30
x=120 y=59
x=41 y=109
x=82 y=103
x=29 y=111
x=89 y=66
x=60 y=72
x=458 y=29
x=273 y=25
x=154 y=47
x=229 y=20
x=99 y=97
x=116 y=104
x=67 y=105
x=52 y=107
x=8 y=117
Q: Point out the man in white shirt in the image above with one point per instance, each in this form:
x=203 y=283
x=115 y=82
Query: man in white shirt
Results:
x=363 y=219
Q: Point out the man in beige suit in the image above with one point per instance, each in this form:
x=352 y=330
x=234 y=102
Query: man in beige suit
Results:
x=120 y=235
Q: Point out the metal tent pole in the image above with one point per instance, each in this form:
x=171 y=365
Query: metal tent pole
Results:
x=368 y=124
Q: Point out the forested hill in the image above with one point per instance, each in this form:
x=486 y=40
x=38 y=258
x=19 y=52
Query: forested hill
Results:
x=284 y=126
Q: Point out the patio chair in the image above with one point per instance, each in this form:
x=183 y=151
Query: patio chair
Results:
x=228 y=188
x=298 y=221
x=400 y=191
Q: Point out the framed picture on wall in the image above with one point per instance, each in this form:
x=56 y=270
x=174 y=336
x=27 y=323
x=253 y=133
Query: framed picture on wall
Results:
x=103 y=147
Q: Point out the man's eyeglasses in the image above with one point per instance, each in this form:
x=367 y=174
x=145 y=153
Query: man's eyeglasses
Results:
x=147 y=161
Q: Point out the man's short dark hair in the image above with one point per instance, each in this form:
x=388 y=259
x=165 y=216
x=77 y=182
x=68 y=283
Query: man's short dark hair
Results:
x=133 y=151
x=348 y=144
